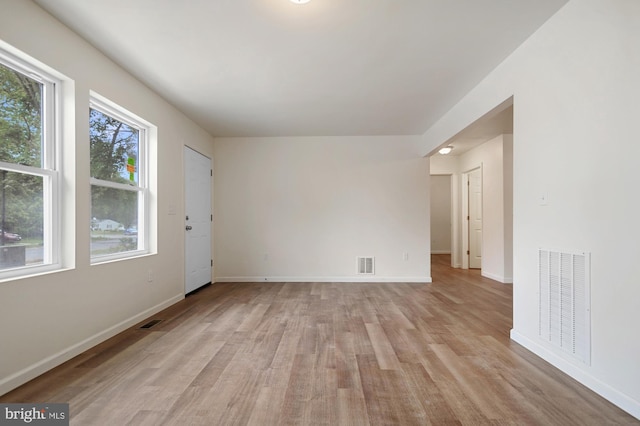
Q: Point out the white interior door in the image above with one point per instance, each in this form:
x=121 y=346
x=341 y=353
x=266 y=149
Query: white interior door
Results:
x=198 y=218
x=475 y=219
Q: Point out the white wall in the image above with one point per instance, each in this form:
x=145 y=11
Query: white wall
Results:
x=440 y=214
x=47 y=319
x=303 y=208
x=576 y=95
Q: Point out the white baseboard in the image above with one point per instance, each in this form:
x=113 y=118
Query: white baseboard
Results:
x=499 y=278
x=612 y=395
x=31 y=372
x=440 y=251
x=347 y=279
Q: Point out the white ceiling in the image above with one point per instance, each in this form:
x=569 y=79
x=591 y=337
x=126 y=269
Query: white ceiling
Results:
x=330 y=67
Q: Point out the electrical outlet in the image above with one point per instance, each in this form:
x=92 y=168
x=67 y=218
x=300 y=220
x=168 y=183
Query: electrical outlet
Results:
x=405 y=256
x=150 y=276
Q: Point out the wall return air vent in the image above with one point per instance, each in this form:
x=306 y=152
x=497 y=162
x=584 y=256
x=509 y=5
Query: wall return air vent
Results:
x=365 y=265
x=565 y=302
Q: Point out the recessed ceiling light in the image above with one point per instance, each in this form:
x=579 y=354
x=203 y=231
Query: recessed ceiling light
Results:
x=299 y=1
x=446 y=150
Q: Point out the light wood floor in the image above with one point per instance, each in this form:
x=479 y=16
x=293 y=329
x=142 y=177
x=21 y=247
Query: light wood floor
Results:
x=324 y=353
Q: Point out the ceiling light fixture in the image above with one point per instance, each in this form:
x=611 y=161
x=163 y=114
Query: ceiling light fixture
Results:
x=299 y=1
x=446 y=150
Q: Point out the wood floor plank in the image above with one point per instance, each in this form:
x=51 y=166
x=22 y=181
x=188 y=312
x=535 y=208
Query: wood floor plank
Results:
x=324 y=354
x=210 y=373
x=382 y=347
x=266 y=410
x=295 y=409
x=388 y=399
x=376 y=391
x=324 y=403
x=346 y=363
x=361 y=342
x=238 y=407
x=254 y=318
x=434 y=404
x=352 y=409
x=147 y=418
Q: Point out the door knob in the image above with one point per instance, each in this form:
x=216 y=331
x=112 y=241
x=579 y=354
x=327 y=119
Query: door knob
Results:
x=189 y=227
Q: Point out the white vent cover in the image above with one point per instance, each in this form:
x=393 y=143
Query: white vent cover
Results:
x=365 y=265
x=565 y=302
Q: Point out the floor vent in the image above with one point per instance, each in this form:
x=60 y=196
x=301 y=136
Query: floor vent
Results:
x=565 y=302
x=365 y=265
x=151 y=323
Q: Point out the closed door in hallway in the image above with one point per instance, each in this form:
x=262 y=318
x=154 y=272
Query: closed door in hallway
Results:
x=475 y=219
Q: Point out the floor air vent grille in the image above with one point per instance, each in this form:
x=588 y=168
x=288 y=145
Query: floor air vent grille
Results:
x=365 y=265
x=151 y=323
x=564 y=308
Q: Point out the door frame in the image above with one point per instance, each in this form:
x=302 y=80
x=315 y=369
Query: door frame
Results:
x=465 y=212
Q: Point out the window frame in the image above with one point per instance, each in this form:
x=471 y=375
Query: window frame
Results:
x=50 y=167
x=142 y=188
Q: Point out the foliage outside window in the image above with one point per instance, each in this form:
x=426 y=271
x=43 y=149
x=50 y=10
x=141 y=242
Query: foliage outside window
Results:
x=119 y=191
x=28 y=170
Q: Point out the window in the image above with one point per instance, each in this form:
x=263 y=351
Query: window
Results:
x=29 y=170
x=119 y=182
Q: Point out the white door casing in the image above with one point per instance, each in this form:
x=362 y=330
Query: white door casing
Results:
x=198 y=176
x=475 y=219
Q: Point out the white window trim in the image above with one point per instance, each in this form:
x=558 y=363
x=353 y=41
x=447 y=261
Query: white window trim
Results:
x=50 y=167
x=114 y=110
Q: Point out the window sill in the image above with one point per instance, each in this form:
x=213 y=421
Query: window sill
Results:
x=101 y=260
x=31 y=272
